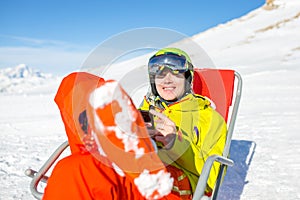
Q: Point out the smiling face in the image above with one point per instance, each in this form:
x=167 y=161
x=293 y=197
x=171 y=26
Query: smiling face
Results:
x=170 y=86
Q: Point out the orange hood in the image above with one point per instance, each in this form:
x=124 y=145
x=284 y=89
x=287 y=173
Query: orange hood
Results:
x=72 y=99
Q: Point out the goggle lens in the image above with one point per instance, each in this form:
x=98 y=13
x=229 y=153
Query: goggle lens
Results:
x=176 y=63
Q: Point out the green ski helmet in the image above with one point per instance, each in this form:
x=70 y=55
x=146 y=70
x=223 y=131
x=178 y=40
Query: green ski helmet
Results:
x=174 y=59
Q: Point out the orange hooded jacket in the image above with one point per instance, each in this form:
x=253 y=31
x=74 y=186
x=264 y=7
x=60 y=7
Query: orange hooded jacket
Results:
x=80 y=175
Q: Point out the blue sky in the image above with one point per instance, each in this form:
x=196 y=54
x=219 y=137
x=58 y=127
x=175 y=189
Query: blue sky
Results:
x=56 y=36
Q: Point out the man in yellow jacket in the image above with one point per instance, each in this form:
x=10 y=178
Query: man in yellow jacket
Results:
x=186 y=128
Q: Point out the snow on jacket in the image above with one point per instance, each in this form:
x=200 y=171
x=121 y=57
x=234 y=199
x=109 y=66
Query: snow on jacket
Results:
x=201 y=132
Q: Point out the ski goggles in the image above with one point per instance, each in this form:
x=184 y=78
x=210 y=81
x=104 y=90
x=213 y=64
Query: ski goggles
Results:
x=178 y=64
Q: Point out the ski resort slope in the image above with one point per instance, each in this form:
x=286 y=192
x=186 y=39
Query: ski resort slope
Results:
x=262 y=39
x=263 y=46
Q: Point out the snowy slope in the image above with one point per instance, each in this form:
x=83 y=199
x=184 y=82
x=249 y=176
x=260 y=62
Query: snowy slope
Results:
x=259 y=40
x=264 y=46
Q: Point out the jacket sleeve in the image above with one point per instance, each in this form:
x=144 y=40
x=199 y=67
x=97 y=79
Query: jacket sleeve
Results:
x=213 y=144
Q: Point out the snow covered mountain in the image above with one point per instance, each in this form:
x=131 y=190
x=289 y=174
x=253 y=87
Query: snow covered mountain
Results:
x=266 y=38
x=21 y=79
x=21 y=71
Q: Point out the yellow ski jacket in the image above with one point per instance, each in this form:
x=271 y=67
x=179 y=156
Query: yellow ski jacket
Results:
x=201 y=132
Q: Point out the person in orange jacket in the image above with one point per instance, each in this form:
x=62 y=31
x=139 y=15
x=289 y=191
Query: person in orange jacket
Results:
x=104 y=163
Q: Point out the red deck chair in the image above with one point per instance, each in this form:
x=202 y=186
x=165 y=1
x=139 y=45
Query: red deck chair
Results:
x=223 y=88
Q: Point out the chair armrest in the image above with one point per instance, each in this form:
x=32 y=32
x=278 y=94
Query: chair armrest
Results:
x=201 y=185
x=32 y=173
x=38 y=176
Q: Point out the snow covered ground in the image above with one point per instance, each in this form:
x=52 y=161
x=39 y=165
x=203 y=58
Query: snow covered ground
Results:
x=264 y=46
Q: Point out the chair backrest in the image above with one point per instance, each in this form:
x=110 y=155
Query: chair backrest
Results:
x=217 y=85
x=224 y=88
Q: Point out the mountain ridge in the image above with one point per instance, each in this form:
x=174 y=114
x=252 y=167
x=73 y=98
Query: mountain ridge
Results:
x=269 y=36
x=24 y=79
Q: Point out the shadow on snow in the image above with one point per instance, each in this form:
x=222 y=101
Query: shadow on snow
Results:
x=241 y=152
